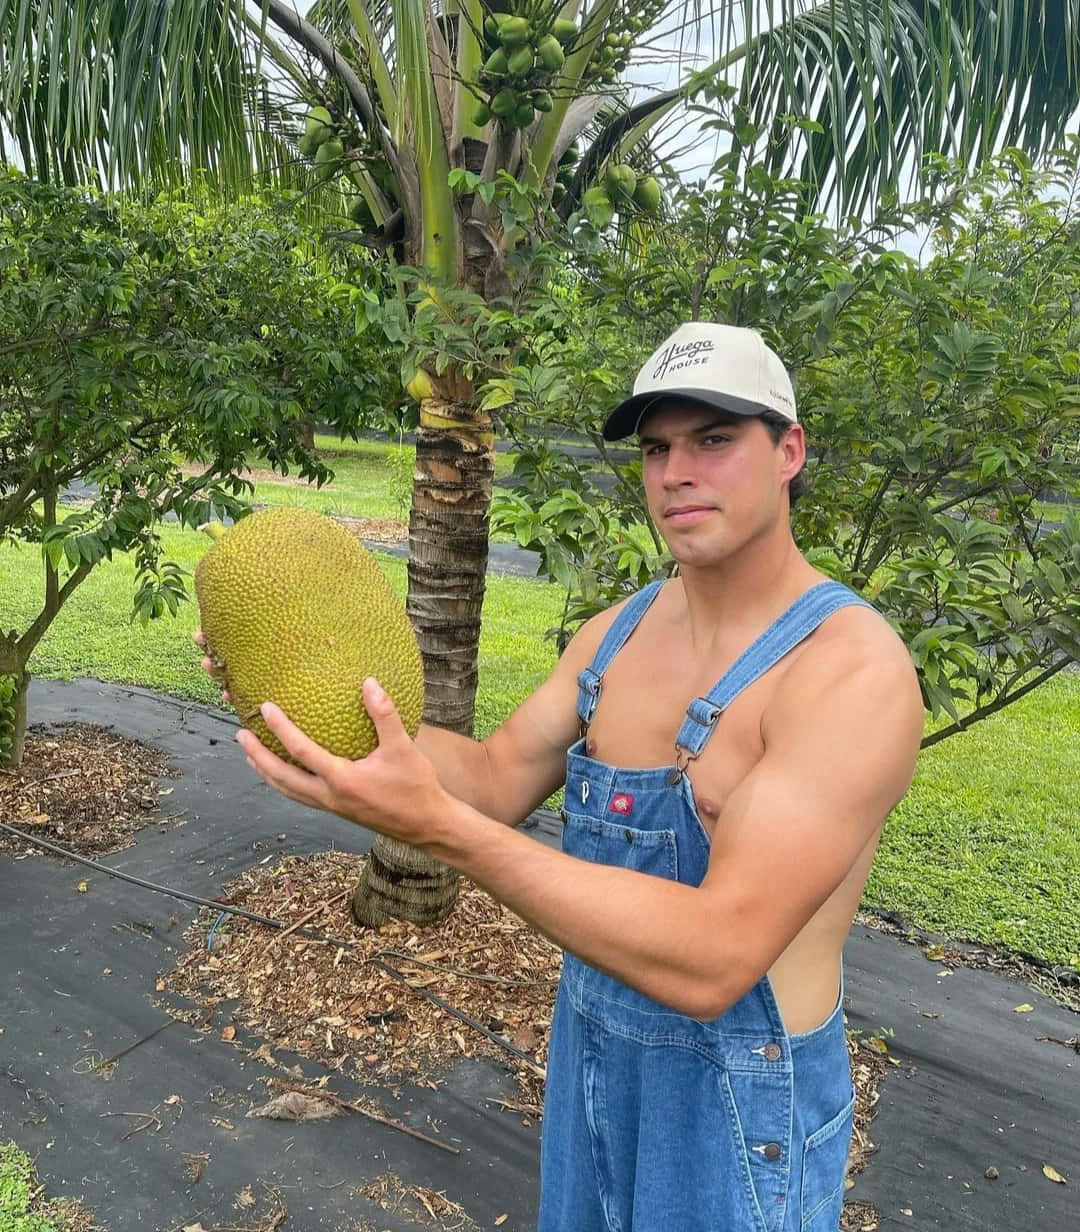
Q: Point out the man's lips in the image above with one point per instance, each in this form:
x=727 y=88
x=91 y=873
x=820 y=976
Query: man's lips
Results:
x=687 y=513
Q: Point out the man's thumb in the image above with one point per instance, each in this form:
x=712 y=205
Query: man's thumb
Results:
x=380 y=705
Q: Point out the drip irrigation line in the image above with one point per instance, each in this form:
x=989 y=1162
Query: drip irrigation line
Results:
x=311 y=934
x=160 y=889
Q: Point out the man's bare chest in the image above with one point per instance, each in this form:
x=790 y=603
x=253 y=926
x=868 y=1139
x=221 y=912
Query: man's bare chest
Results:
x=643 y=705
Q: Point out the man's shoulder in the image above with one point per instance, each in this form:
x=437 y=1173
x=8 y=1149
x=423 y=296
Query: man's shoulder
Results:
x=855 y=653
x=582 y=647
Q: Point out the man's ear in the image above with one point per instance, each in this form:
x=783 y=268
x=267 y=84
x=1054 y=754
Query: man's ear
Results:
x=793 y=448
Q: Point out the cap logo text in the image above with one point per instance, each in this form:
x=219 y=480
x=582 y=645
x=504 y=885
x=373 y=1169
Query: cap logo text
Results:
x=689 y=355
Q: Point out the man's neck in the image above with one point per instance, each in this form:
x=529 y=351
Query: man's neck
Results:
x=745 y=593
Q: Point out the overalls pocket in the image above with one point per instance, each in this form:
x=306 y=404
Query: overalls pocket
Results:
x=611 y=842
x=824 y=1158
x=600 y=996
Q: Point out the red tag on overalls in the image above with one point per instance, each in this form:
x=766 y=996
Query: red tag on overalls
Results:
x=622 y=804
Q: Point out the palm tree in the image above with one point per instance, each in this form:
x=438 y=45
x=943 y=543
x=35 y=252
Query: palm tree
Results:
x=400 y=94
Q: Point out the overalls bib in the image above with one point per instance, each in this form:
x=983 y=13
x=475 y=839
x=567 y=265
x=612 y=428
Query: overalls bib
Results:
x=653 y=1121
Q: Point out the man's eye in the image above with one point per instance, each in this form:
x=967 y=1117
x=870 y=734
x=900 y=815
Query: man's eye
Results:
x=716 y=440
x=651 y=450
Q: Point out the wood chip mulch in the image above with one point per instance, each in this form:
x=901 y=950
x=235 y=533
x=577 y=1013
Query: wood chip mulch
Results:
x=84 y=787
x=377 y=530
x=423 y=1207
x=336 y=1007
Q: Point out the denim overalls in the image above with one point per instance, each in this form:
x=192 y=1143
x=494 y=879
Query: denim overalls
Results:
x=653 y=1121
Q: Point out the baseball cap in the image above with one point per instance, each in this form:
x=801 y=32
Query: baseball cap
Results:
x=725 y=366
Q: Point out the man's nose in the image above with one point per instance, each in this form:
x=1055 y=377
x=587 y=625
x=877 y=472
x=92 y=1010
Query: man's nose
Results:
x=677 y=466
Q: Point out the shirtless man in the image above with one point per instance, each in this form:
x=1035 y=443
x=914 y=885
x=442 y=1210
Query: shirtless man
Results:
x=714 y=850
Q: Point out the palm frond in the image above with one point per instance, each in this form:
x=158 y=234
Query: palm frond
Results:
x=891 y=80
x=119 y=90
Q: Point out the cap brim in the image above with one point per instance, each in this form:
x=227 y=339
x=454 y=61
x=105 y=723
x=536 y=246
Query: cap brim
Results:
x=624 y=419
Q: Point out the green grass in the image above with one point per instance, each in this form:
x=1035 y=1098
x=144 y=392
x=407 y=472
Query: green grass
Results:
x=364 y=480
x=986 y=845
x=20 y=1211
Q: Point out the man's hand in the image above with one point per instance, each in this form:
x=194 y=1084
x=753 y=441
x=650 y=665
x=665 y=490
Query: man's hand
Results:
x=394 y=790
x=212 y=667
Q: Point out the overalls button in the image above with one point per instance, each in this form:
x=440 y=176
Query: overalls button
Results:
x=673 y=776
x=772 y=1052
x=629 y=835
x=772 y=1150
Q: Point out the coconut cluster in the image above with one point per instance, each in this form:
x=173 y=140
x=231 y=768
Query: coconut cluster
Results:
x=620 y=190
x=523 y=59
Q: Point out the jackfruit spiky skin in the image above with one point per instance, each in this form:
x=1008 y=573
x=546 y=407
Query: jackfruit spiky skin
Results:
x=299 y=613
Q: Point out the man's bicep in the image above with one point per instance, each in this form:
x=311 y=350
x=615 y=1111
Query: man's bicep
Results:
x=527 y=754
x=789 y=834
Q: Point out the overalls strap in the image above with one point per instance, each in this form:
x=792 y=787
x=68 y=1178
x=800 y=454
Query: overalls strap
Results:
x=786 y=632
x=590 y=680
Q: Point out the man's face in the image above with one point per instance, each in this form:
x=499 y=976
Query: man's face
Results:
x=714 y=481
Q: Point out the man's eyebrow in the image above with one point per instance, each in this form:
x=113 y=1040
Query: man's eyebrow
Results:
x=724 y=421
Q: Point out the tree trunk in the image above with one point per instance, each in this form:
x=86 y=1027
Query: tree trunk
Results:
x=307 y=431
x=448 y=549
x=13 y=690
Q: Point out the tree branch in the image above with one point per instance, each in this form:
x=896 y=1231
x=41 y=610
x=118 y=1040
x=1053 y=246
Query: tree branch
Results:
x=871 y=514
x=17 y=502
x=25 y=645
x=999 y=703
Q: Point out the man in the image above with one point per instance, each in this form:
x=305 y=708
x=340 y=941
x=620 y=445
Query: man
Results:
x=731 y=742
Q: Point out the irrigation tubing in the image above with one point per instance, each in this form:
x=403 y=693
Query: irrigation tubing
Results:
x=311 y=934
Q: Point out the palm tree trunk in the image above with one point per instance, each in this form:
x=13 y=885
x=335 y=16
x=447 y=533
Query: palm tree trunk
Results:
x=448 y=548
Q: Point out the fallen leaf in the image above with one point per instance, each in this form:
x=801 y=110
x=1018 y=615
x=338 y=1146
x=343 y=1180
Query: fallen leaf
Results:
x=228 y=1034
x=295 y=1106
x=159 y=986
x=1023 y=1009
x=1053 y=1174
x=245 y=1197
x=500 y=1220
x=935 y=953
x=82 y=887
x=875 y=1041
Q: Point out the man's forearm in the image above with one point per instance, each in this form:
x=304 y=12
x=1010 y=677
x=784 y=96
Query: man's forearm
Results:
x=650 y=933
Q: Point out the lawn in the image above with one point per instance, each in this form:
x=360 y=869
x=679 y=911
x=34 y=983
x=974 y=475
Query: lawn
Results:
x=93 y=635
x=372 y=479
x=986 y=846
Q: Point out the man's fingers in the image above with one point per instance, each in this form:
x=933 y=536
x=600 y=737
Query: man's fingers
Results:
x=380 y=705
x=302 y=748
x=292 y=781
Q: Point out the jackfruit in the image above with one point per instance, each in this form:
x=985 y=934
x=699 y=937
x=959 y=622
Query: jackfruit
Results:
x=299 y=613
